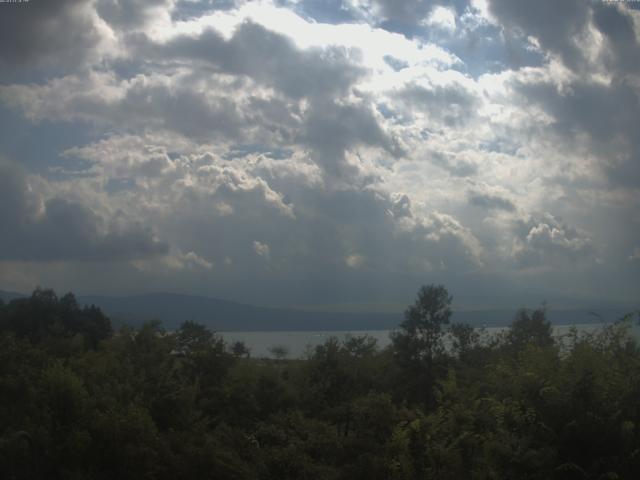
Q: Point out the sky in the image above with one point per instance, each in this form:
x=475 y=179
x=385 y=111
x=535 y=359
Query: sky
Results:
x=332 y=154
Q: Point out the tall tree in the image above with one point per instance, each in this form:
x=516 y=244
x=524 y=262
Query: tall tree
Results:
x=530 y=328
x=418 y=343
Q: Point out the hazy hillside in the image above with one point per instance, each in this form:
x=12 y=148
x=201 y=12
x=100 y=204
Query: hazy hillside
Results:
x=8 y=296
x=222 y=315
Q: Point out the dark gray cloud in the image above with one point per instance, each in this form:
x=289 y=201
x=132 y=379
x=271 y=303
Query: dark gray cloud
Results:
x=556 y=25
x=129 y=14
x=56 y=35
x=605 y=115
x=563 y=28
x=326 y=240
x=602 y=111
x=278 y=116
x=179 y=108
x=154 y=101
x=333 y=250
x=59 y=229
x=331 y=129
x=266 y=57
x=405 y=10
x=622 y=49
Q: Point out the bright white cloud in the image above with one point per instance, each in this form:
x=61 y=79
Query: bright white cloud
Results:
x=442 y=17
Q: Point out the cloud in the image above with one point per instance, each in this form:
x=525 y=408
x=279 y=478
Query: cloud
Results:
x=411 y=12
x=404 y=11
x=434 y=239
x=132 y=14
x=125 y=158
x=585 y=35
x=620 y=28
x=364 y=147
x=458 y=165
x=490 y=201
x=550 y=242
x=172 y=262
x=193 y=9
x=261 y=249
x=268 y=58
x=162 y=101
x=193 y=259
x=450 y=104
x=206 y=204
x=595 y=116
x=57 y=229
x=54 y=35
x=354 y=260
x=558 y=26
x=332 y=128
x=442 y=17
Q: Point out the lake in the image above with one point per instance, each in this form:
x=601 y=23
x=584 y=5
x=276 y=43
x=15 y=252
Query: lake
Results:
x=298 y=342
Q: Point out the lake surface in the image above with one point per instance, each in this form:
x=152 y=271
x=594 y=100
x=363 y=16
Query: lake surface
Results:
x=298 y=343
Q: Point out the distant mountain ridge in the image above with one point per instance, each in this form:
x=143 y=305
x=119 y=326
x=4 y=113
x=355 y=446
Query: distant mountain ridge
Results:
x=223 y=315
x=8 y=296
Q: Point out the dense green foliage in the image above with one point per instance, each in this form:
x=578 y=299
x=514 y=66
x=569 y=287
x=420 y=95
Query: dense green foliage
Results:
x=443 y=401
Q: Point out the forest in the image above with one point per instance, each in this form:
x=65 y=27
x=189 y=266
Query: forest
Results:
x=79 y=400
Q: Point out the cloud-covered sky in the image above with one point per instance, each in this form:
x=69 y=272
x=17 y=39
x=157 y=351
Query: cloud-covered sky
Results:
x=305 y=152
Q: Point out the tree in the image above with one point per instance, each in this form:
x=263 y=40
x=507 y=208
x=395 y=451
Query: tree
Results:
x=194 y=338
x=465 y=342
x=239 y=349
x=530 y=328
x=360 y=346
x=279 y=352
x=420 y=337
x=418 y=343
x=203 y=356
x=58 y=320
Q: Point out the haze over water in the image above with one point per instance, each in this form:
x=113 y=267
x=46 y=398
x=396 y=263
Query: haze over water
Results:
x=298 y=343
